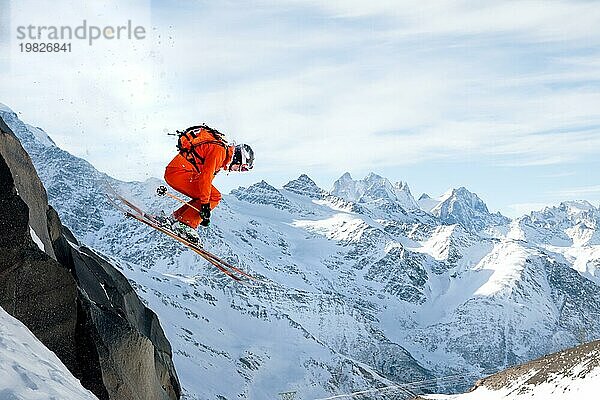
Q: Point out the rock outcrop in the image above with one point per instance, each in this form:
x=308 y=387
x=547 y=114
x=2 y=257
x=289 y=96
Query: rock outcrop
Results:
x=75 y=302
x=573 y=373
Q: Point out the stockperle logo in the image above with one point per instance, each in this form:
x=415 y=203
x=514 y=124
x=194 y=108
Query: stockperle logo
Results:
x=84 y=31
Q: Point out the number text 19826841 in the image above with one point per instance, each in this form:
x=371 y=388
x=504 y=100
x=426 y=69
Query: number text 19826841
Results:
x=45 y=47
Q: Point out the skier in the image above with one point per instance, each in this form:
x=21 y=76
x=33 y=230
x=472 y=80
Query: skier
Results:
x=203 y=152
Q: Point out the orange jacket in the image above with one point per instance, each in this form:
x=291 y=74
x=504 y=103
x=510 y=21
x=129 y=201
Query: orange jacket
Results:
x=212 y=157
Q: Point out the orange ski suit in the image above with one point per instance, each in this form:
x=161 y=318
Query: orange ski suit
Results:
x=183 y=176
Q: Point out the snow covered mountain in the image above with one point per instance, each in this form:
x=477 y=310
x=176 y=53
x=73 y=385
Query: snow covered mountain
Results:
x=459 y=206
x=306 y=187
x=373 y=188
x=572 y=374
x=572 y=223
x=369 y=290
x=569 y=231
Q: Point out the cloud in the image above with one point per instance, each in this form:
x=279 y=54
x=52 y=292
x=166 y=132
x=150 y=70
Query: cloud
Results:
x=580 y=192
x=537 y=20
x=314 y=84
x=450 y=105
x=558 y=175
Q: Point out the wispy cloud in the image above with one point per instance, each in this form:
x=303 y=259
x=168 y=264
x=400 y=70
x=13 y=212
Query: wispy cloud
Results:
x=312 y=84
x=537 y=20
x=463 y=90
x=582 y=192
x=558 y=175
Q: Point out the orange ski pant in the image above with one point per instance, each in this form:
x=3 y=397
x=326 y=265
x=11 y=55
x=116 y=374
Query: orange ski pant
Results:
x=187 y=182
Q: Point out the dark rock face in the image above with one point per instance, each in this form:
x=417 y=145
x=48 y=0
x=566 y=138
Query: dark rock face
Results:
x=34 y=288
x=576 y=298
x=74 y=301
x=26 y=181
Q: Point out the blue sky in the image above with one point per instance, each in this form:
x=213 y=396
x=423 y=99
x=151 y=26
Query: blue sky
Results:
x=500 y=97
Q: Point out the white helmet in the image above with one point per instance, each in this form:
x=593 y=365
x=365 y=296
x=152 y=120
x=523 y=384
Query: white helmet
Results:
x=243 y=155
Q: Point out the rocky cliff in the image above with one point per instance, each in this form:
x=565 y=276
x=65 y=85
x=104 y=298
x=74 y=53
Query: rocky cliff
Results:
x=75 y=302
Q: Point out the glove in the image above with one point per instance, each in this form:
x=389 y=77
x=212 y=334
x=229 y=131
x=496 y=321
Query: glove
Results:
x=205 y=212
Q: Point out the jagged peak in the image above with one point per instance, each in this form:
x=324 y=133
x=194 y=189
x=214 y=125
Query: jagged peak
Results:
x=372 y=176
x=462 y=193
x=424 y=196
x=258 y=187
x=404 y=195
x=576 y=206
x=459 y=205
x=373 y=187
x=401 y=185
x=568 y=208
x=304 y=185
x=263 y=193
x=263 y=185
x=563 y=218
x=346 y=177
x=302 y=178
x=25 y=132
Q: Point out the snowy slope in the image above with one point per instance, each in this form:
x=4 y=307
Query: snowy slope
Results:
x=29 y=371
x=560 y=388
x=573 y=374
x=572 y=223
x=368 y=289
x=570 y=231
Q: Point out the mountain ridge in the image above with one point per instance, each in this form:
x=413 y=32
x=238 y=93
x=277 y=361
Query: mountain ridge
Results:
x=371 y=281
x=570 y=374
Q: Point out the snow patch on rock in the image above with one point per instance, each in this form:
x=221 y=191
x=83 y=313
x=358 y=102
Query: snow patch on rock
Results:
x=36 y=239
x=29 y=371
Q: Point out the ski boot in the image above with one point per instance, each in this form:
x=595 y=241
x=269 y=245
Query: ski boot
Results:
x=164 y=220
x=180 y=229
x=186 y=232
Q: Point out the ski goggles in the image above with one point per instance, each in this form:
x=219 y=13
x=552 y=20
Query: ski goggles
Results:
x=240 y=167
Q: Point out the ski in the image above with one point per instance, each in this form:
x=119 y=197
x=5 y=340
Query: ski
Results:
x=144 y=219
x=137 y=213
x=161 y=191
